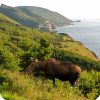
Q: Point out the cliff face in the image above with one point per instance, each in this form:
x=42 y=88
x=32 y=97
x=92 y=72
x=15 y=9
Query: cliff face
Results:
x=51 y=26
x=95 y=55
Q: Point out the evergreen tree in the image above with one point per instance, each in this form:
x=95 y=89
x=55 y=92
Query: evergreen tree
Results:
x=27 y=46
x=45 y=51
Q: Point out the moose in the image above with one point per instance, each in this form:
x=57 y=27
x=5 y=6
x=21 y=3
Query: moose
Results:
x=56 y=69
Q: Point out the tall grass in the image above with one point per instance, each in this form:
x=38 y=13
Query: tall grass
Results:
x=23 y=87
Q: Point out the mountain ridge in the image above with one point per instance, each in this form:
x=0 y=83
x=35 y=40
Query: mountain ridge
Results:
x=26 y=16
x=19 y=16
x=53 y=17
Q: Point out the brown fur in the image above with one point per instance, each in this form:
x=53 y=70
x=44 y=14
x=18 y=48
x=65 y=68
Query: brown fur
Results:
x=56 y=69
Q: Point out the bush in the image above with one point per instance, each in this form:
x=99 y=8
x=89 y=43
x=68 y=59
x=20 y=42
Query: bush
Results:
x=8 y=61
x=90 y=84
x=87 y=83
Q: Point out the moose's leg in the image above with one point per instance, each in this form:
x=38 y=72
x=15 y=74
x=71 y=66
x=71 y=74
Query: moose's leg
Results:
x=73 y=79
x=77 y=82
x=53 y=79
x=73 y=83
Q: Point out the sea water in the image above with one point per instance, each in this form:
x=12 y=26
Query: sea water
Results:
x=87 y=32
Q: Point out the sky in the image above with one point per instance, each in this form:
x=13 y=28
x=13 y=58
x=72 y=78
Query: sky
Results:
x=72 y=9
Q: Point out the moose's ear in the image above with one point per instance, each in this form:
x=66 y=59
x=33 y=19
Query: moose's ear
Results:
x=32 y=58
x=35 y=59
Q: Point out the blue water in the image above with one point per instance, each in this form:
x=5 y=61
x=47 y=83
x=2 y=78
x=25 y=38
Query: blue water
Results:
x=87 y=32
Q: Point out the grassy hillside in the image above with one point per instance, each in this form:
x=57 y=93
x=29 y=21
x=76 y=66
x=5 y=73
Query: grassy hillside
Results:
x=17 y=86
x=33 y=14
x=51 y=16
x=18 y=43
x=15 y=35
x=25 y=18
x=18 y=33
x=34 y=17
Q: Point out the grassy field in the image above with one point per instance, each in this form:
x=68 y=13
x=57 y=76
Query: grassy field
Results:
x=17 y=86
x=76 y=47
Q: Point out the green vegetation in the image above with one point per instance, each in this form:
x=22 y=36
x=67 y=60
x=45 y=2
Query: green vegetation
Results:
x=33 y=14
x=44 y=50
x=19 y=43
x=51 y=16
x=17 y=86
x=74 y=58
x=31 y=17
x=23 y=87
x=44 y=29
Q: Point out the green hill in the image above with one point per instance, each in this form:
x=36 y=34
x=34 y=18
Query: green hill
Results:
x=33 y=14
x=33 y=17
x=8 y=20
x=51 y=16
x=32 y=21
x=14 y=35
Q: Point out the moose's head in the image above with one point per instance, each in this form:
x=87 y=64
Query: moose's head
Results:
x=32 y=67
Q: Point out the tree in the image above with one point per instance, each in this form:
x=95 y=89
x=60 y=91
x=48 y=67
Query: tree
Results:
x=45 y=51
x=27 y=44
x=8 y=61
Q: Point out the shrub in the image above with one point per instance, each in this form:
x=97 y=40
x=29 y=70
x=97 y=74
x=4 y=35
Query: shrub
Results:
x=8 y=61
x=87 y=83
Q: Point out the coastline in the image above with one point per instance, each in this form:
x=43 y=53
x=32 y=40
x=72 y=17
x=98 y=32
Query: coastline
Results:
x=93 y=53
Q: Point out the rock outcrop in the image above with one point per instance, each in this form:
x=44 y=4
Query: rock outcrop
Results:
x=95 y=55
x=51 y=26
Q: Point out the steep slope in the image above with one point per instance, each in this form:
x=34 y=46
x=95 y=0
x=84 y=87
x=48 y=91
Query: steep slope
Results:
x=33 y=17
x=8 y=20
x=51 y=16
x=62 y=41
x=33 y=14
x=22 y=18
x=18 y=43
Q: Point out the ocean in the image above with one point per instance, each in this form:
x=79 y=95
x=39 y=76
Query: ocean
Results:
x=86 y=31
